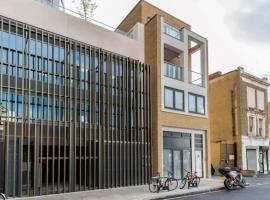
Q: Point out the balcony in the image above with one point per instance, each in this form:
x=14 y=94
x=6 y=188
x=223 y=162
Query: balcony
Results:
x=172 y=31
x=173 y=71
x=195 y=78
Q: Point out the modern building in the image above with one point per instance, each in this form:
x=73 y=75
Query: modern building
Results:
x=239 y=121
x=179 y=91
x=77 y=100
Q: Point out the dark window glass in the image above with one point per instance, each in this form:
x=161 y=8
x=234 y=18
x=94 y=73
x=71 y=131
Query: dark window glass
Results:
x=196 y=103
x=39 y=108
x=19 y=107
x=45 y=103
x=173 y=99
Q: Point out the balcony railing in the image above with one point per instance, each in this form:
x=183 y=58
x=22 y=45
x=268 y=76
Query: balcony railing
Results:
x=195 y=78
x=173 y=71
x=172 y=31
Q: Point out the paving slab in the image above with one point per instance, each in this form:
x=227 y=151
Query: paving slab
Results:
x=132 y=193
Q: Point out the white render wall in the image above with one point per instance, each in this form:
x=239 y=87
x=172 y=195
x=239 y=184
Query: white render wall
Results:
x=45 y=17
x=253 y=143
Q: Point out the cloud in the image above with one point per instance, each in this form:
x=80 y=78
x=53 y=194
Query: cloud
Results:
x=250 y=19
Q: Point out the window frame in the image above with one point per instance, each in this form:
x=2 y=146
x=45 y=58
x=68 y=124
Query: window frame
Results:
x=174 y=105
x=196 y=103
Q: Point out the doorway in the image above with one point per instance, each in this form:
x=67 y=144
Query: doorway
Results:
x=263 y=161
x=175 y=162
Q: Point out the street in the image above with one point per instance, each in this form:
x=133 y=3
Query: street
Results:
x=258 y=190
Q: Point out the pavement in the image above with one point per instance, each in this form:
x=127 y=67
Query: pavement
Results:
x=134 y=193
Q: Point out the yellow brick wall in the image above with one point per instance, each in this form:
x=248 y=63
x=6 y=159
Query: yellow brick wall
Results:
x=220 y=113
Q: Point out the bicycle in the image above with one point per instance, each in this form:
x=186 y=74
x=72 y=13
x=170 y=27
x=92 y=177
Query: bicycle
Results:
x=162 y=183
x=2 y=196
x=191 y=178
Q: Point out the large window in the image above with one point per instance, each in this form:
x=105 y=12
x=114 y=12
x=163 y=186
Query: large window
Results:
x=174 y=99
x=196 y=104
x=172 y=31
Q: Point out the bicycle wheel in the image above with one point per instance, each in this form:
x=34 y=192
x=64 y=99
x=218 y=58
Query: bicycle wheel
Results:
x=153 y=187
x=172 y=184
x=197 y=180
x=2 y=196
x=182 y=183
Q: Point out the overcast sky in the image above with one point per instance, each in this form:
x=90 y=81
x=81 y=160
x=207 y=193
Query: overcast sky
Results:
x=238 y=31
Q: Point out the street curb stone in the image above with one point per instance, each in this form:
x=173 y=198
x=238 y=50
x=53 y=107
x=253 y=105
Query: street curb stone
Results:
x=189 y=194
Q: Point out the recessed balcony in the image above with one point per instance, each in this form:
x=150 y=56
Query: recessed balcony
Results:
x=173 y=71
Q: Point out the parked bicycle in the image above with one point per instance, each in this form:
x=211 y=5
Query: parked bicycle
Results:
x=2 y=196
x=191 y=179
x=163 y=183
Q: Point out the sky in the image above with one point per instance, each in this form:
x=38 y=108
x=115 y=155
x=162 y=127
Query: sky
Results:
x=238 y=31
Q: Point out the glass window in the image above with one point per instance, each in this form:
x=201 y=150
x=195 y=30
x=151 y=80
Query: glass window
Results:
x=174 y=99
x=50 y=109
x=20 y=43
x=44 y=108
x=192 y=103
x=200 y=104
x=12 y=41
x=4 y=55
x=12 y=105
x=38 y=48
x=5 y=38
x=168 y=98
x=251 y=123
x=179 y=100
x=32 y=108
x=4 y=69
x=19 y=107
x=45 y=50
x=20 y=61
x=32 y=47
x=39 y=108
x=196 y=103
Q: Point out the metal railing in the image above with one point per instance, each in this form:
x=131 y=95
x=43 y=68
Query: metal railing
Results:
x=88 y=19
x=172 y=31
x=195 y=78
x=173 y=71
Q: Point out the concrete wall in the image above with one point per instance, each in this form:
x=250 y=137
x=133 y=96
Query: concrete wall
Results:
x=40 y=15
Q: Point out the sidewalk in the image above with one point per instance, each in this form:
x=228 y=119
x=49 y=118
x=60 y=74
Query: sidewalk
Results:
x=133 y=193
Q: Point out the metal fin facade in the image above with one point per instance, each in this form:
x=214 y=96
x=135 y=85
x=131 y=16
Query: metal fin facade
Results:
x=77 y=117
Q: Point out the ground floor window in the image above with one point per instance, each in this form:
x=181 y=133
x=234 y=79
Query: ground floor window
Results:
x=182 y=151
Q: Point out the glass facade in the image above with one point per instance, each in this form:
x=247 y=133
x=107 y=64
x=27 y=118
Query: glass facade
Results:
x=78 y=117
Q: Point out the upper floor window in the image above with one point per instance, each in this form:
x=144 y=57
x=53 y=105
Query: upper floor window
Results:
x=172 y=31
x=174 y=99
x=251 y=125
x=251 y=97
x=260 y=127
x=260 y=100
x=196 y=104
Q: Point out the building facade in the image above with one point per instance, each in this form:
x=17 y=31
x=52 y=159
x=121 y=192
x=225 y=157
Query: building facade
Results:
x=179 y=88
x=239 y=121
x=77 y=103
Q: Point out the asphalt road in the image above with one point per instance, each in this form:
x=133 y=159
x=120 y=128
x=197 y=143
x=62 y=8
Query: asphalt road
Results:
x=258 y=190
